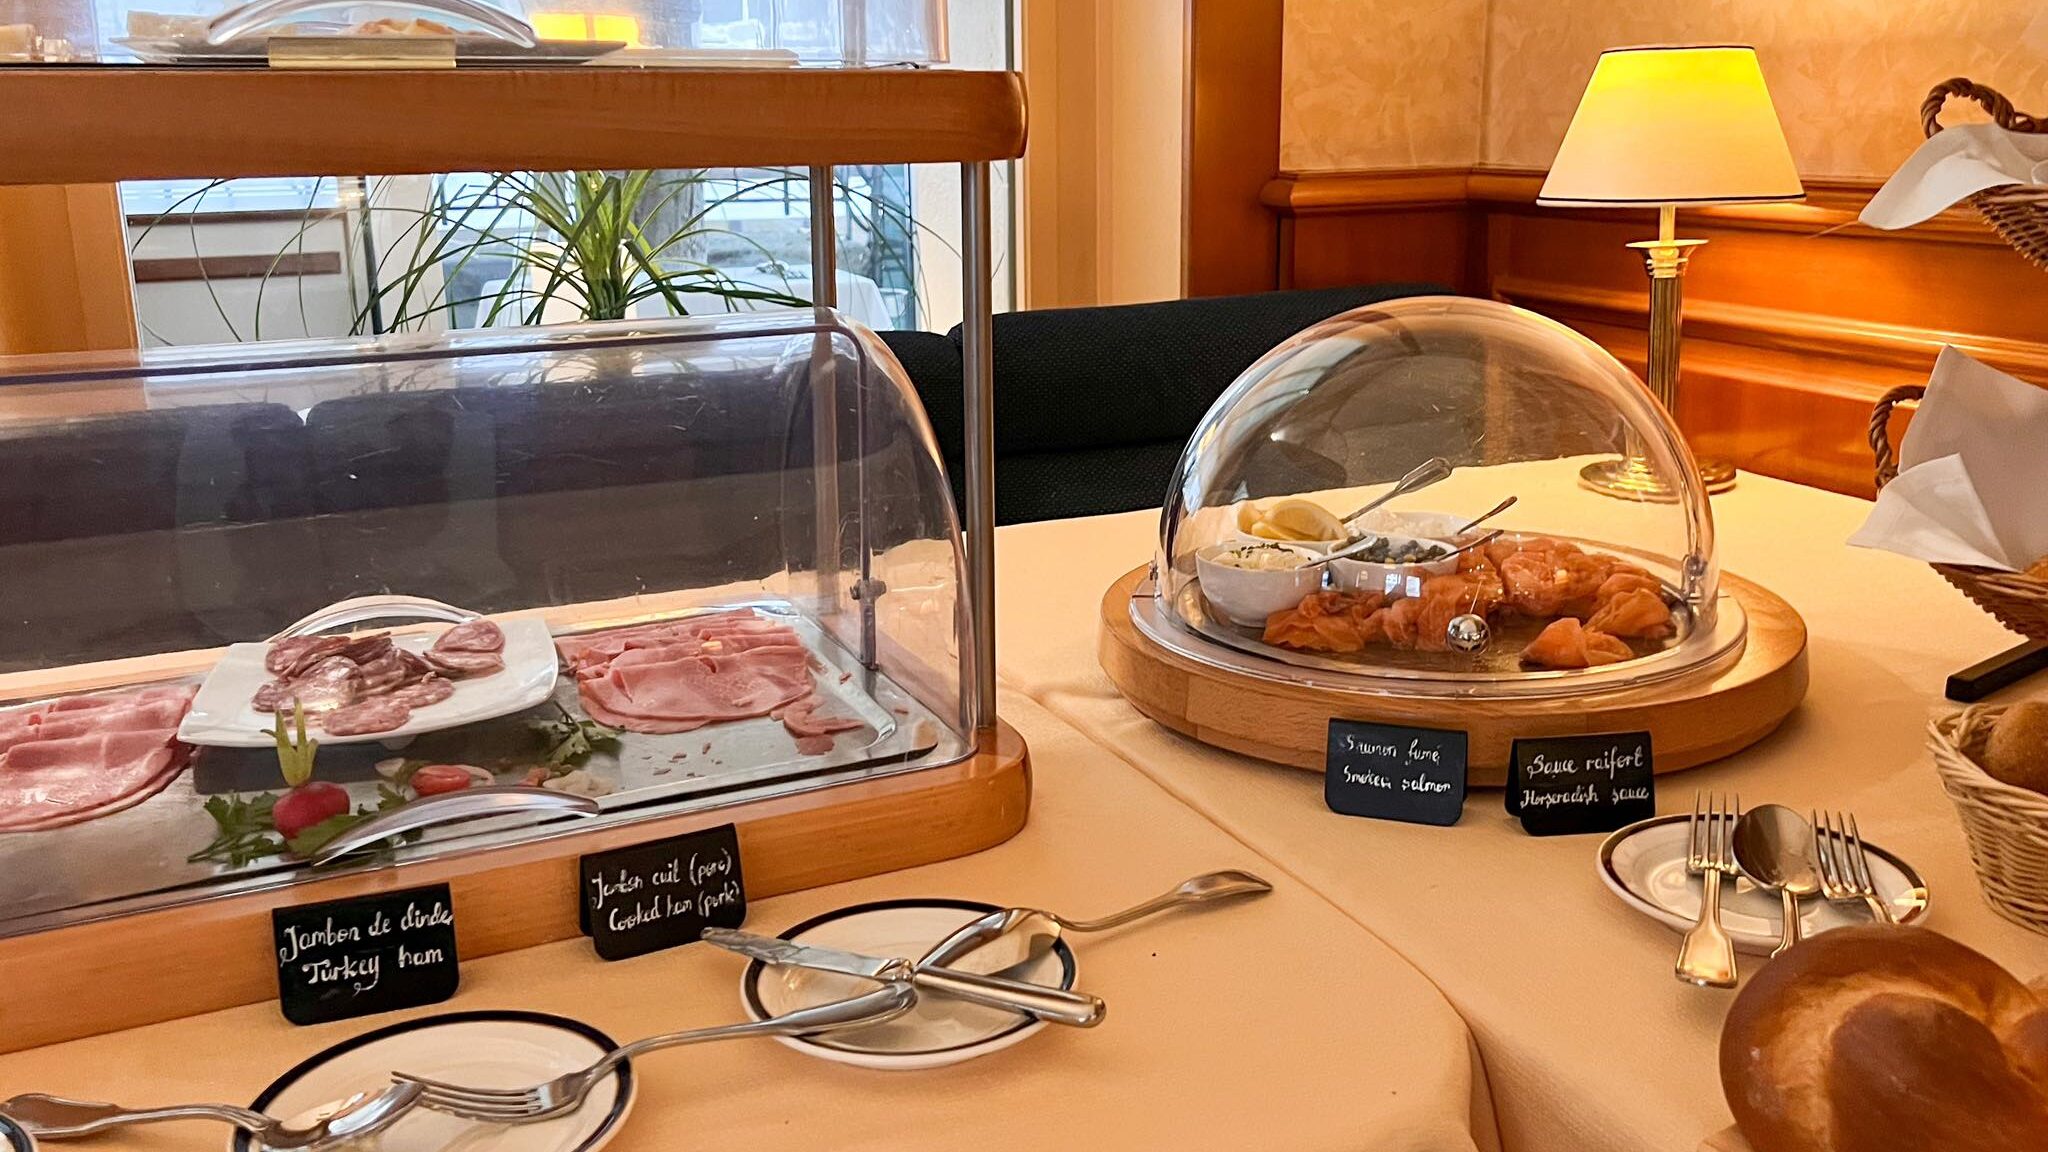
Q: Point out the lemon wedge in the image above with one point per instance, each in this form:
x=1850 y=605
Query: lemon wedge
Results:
x=1303 y=520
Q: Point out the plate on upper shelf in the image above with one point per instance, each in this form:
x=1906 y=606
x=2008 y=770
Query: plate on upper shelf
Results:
x=472 y=50
x=938 y=1031
x=1644 y=864
x=223 y=717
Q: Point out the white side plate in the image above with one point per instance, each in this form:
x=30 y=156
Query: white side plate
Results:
x=222 y=717
x=1644 y=864
x=939 y=1031
x=487 y=1049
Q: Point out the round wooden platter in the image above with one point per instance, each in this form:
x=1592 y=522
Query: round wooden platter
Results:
x=1691 y=719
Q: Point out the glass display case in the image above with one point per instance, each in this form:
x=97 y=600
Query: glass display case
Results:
x=1478 y=403
x=686 y=564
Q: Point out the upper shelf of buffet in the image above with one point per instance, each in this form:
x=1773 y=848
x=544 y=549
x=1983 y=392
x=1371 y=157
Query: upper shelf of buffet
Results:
x=95 y=124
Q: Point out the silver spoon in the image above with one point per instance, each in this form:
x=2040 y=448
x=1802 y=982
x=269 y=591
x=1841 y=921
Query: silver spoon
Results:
x=361 y=1115
x=1009 y=937
x=1489 y=514
x=1358 y=546
x=1421 y=476
x=1774 y=848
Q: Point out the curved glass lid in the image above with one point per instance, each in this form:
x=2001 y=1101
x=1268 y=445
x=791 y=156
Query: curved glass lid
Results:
x=1478 y=404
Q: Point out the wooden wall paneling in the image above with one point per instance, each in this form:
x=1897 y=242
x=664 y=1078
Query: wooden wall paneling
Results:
x=1796 y=317
x=1356 y=228
x=1231 y=238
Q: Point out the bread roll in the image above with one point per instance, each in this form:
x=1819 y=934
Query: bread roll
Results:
x=1877 y=1039
x=2016 y=752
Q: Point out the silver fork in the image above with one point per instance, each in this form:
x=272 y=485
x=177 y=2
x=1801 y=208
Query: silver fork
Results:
x=567 y=1092
x=1844 y=866
x=1706 y=956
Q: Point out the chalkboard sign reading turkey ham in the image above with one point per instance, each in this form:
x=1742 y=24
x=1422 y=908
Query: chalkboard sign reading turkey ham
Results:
x=378 y=953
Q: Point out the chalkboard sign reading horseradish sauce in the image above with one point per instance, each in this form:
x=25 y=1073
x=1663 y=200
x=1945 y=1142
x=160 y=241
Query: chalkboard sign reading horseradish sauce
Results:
x=659 y=895
x=1389 y=772
x=370 y=954
x=1569 y=784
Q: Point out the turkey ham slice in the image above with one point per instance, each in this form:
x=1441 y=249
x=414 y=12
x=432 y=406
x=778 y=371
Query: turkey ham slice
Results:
x=82 y=757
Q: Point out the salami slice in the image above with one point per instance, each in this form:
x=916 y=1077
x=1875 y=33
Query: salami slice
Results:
x=431 y=690
x=376 y=714
x=298 y=653
x=473 y=636
x=460 y=663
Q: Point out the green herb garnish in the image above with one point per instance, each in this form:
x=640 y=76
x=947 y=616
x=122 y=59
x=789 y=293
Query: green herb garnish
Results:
x=568 y=741
x=246 y=832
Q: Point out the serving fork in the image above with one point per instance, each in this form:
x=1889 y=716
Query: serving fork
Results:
x=1844 y=866
x=566 y=1093
x=1706 y=956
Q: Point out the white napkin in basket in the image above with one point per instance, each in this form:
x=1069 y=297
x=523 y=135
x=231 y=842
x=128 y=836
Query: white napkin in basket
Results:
x=1953 y=164
x=1973 y=473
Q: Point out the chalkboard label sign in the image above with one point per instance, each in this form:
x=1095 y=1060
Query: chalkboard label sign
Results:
x=1389 y=772
x=659 y=895
x=370 y=954
x=1567 y=784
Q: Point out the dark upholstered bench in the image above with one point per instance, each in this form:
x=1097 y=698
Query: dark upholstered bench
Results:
x=1093 y=405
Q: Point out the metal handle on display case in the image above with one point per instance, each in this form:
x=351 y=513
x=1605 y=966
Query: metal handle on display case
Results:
x=343 y=613
x=258 y=15
x=496 y=800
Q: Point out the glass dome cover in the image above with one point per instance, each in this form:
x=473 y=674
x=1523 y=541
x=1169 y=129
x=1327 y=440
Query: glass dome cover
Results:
x=1567 y=589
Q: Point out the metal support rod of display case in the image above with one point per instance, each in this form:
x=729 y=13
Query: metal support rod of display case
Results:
x=824 y=240
x=829 y=519
x=977 y=355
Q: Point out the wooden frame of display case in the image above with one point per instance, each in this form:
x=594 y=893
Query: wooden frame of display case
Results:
x=100 y=124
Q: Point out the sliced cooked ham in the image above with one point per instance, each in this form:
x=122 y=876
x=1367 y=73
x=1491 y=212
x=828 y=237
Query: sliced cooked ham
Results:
x=680 y=675
x=814 y=733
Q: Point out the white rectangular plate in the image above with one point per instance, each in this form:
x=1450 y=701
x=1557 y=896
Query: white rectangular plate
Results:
x=222 y=717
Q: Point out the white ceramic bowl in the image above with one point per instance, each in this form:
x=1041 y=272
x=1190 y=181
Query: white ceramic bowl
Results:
x=1394 y=581
x=1246 y=596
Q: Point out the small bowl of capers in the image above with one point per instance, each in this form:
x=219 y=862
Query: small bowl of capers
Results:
x=1394 y=566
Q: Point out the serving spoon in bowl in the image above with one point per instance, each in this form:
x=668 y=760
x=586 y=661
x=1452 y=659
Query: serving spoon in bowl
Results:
x=364 y=1114
x=1009 y=937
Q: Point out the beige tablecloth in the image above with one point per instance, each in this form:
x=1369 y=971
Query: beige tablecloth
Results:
x=1589 y=1043
x=1279 y=1023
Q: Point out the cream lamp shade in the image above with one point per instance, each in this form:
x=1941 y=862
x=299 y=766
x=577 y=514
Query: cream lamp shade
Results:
x=1673 y=125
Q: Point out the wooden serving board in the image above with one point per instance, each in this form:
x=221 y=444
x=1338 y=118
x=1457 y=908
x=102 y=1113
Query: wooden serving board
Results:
x=1691 y=719
x=140 y=969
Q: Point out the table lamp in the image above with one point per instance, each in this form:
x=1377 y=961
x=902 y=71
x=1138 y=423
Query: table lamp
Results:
x=1659 y=127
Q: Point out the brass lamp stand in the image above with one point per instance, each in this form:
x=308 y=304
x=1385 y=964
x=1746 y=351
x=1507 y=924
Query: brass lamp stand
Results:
x=1631 y=476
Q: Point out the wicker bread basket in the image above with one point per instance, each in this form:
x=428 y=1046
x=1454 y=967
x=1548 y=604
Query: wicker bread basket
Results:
x=2018 y=212
x=2019 y=601
x=2007 y=826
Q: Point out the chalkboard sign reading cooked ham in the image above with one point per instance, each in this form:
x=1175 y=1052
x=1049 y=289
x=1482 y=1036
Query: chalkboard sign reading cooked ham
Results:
x=1568 y=784
x=370 y=954
x=1388 y=772
x=653 y=896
